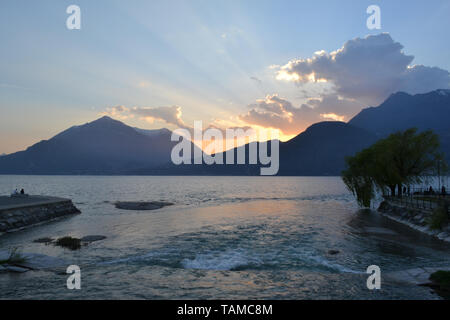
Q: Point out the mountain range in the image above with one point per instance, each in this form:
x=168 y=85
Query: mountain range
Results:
x=104 y=146
x=107 y=146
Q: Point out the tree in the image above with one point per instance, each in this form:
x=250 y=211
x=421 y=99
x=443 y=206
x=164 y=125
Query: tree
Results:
x=403 y=158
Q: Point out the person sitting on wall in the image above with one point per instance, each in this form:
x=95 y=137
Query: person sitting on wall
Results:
x=22 y=191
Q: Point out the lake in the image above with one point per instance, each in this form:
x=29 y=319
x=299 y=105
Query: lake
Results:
x=224 y=238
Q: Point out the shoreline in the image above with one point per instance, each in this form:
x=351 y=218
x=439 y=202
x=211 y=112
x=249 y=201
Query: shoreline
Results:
x=24 y=212
x=412 y=218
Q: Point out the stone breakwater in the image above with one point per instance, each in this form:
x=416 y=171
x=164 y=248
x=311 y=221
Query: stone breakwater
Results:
x=414 y=218
x=20 y=213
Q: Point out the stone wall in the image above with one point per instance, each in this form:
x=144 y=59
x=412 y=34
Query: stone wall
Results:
x=414 y=218
x=22 y=217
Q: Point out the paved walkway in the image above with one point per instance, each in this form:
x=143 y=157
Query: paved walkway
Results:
x=7 y=202
x=414 y=276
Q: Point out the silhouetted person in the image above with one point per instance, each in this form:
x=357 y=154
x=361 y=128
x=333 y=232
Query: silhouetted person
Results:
x=404 y=190
x=443 y=191
x=431 y=191
x=22 y=191
x=409 y=191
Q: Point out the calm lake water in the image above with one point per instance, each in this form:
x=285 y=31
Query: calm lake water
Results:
x=225 y=237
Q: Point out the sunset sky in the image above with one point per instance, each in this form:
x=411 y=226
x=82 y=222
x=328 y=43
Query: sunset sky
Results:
x=246 y=63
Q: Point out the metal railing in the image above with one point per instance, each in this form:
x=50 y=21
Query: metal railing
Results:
x=420 y=201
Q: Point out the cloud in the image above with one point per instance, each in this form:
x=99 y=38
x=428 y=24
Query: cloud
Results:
x=366 y=70
x=332 y=116
x=333 y=103
x=363 y=72
x=170 y=115
x=120 y=112
x=279 y=113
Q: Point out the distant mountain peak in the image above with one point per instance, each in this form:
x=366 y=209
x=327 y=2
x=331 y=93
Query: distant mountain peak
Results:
x=103 y=146
x=441 y=92
x=402 y=111
x=105 y=119
x=325 y=124
x=400 y=94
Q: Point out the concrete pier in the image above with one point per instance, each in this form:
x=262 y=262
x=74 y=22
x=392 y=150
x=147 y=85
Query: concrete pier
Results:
x=24 y=211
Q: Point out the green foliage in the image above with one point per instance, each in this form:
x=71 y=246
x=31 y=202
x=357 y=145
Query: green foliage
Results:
x=438 y=219
x=358 y=179
x=403 y=158
x=69 y=242
x=441 y=278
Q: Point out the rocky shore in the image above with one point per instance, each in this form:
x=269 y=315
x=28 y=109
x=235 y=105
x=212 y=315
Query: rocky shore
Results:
x=17 y=214
x=414 y=218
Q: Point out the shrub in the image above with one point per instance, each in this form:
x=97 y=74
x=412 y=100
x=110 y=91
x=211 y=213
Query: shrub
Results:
x=439 y=218
x=441 y=278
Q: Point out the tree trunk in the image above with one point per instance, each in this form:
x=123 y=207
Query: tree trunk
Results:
x=399 y=190
x=392 y=191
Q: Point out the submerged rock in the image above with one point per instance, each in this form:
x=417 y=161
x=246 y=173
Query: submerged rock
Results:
x=132 y=205
x=15 y=269
x=69 y=242
x=92 y=238
x=43 y=240
x=35 y=261
x=333 y=251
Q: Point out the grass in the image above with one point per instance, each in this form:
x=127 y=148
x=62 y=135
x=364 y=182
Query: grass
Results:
x=438 y=219
x=441 y=278
x=69 y=242
x=441 y=283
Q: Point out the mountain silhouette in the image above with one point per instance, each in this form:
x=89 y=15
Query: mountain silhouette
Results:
x=402 y=111
x=108 y=146
x=321 y=149
x=104 y=146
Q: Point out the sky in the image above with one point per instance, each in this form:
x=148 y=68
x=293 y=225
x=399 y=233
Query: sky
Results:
x=247 y=63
